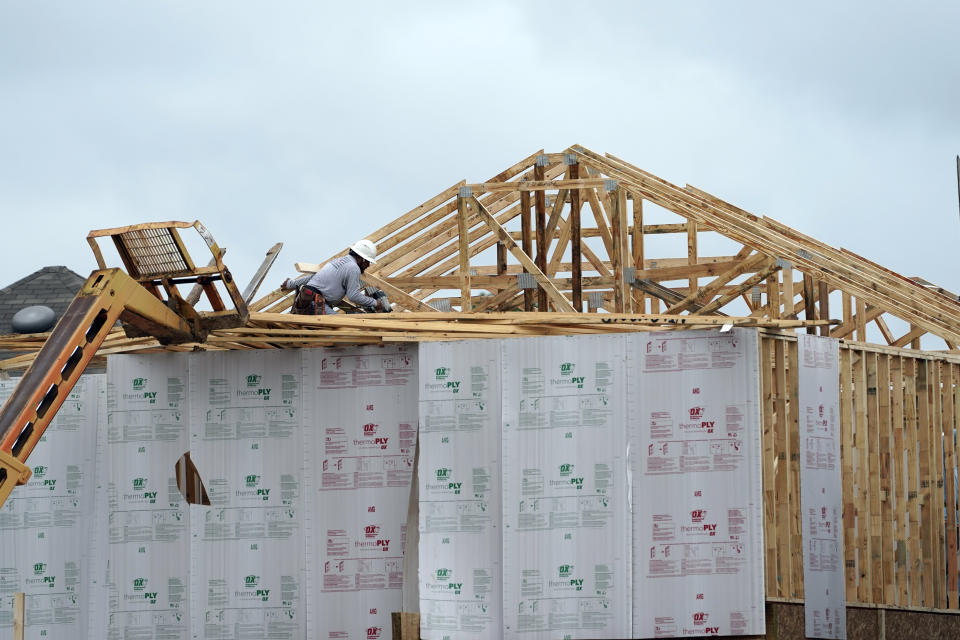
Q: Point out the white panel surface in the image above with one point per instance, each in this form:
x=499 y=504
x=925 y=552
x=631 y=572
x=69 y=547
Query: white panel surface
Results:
x=45 y=525
x=697 y=485
x=459 y=490
x=566 y=552
x=247 y=552
x=361 y=427
x=821 y=488
x=147 y=519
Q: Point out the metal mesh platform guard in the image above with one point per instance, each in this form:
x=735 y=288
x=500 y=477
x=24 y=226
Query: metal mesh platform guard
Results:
x=155 y=252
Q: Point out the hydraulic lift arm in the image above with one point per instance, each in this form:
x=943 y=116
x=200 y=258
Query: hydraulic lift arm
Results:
x=110 y=295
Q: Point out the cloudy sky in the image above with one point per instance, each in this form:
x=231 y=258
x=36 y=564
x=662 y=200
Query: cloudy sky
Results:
x=314 y=124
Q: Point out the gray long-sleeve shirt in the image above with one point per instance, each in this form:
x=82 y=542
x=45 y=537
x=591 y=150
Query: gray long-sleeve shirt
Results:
x=337 y=279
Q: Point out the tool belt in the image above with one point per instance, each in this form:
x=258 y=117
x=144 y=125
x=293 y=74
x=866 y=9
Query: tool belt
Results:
x=309 y=301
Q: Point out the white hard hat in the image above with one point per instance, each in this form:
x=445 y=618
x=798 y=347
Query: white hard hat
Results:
x=365 y=249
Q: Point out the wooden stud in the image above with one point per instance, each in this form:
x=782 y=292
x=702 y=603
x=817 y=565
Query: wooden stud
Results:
x=912 y=431
x=787 y=293
x=847 y=456
x=773 y=296
x=526 y=235
x=783 y=479
x=950 y=487
x=861 y=437
x=769 y=464
x=824 y=299
x=900 y=482
x=463 y=217
x=796 y=511
x=861 y=334
x=616 y=219
x=638 y=251
x=692 y=252
x=540 y=203
x=935 y=397
x=929 y=511
x=886 y=479
x=810 y=309
x=19 y=615
x=875 y=523
x=575 y=241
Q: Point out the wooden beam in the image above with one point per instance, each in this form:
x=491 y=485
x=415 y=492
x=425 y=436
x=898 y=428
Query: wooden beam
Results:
x=535 y=185
x=850 y=326
x=526 y=238
x=705 y=294
x=824 y=301
x=19 y=614
x=809 y=303
x=547 y=287
x=619 y=293
x=540 y=205
x=396 y=294
x=639 y=299
x=692 y=252
x=501 y=259
x=575 y=242
x=463 y=217
x=911 y=337
x=746 y=285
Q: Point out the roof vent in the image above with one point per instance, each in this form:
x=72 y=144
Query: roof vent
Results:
x=35 y=319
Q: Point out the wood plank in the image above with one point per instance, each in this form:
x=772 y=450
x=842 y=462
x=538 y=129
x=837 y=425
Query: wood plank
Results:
x=886 y=480
x=936 y=464
x=616 y=228
x=526 y=237
x=877 y=578
x=706 y=293
x=19 y=615
x=769 y=466
x=692 y=252
x=809 y=300
x=546 y=287
x=636 y=239
x=773 y=295
x=796 y=509
x=912 y=431
x=746 y=285
x=929 y=512
x=463 y=239
x=540 y=205
x=847 y=456
x=861 y=437
x=575 y=240
x=536 y=185
x=950 y=487
x=395 y=294
x=823 y=294
x=782 y=481
x=622 y=239
x=900 y=482
x=861 y=333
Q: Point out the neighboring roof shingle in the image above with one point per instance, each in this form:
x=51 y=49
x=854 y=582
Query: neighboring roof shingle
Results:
x=54 y=287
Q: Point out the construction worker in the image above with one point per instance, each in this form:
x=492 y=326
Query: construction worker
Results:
x=337 y=279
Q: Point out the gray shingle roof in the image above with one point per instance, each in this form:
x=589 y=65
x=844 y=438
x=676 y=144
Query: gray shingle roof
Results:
x=54 y=287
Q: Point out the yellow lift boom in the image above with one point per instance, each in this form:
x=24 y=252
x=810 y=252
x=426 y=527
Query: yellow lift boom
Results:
x=156 y=263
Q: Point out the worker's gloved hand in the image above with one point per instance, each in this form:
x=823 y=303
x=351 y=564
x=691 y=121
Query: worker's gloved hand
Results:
x=285 y=285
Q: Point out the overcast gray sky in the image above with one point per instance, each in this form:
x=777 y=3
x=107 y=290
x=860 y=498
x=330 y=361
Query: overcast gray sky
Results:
x=315 y=124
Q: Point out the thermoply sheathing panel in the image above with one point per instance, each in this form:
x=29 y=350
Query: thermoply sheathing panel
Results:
x=566 y=550
x=46 y=524
x=460 y=490
x=697 y=495
x=247 y=553
x=360 y=411
x=147 y=532
x=821 y=488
